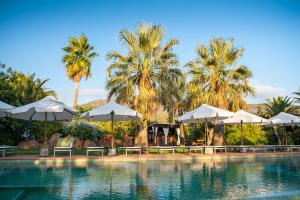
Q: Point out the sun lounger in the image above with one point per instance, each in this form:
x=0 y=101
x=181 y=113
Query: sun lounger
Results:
x=265 y=148
x=242 y=148
x=164 y=148
x=4 y=149
x=94 y=149
x=64 y=145
x=195 y=148
x=131 y=149
x=220 y=148
x=61 y=149
x=287 y=147
x=295 y=147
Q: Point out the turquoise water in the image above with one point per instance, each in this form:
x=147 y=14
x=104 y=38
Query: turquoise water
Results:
x=259 y=178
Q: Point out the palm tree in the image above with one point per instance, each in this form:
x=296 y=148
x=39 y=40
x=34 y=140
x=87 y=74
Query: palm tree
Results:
x=278 y=104
x=139 y=77
x=214 y=80
x=78 y=60
x=298 y=96
x=172 y=95
x=32 y=89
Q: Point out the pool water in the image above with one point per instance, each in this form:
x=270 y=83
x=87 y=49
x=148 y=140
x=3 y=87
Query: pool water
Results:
x=255 y=178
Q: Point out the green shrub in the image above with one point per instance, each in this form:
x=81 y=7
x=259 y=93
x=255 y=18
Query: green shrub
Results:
x=81 y=130
x=253 y=135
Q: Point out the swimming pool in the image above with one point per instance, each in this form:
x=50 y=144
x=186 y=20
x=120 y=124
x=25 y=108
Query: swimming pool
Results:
x=242 y=178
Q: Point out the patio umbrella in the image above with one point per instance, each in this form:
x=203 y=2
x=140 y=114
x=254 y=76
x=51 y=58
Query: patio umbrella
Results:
x=241 y=117
x=205 y=113
x=111 y=112
x=46 y=109
x=283 y=119
x=4 y=109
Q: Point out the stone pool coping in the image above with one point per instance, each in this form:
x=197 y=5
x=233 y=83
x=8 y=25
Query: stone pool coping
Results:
x=145 y=157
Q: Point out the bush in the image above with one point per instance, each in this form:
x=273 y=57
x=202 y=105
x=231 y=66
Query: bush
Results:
x=81 y=130
x=253 y=135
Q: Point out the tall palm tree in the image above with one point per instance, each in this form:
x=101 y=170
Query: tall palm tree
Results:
x=215 y=78
x=278 y=104
x=138 y=77
x=78 y=58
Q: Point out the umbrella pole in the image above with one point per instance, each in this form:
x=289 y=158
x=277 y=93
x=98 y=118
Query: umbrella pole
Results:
x=242 y=134
x=205 y=132
x=45 y=130
x=112 y=129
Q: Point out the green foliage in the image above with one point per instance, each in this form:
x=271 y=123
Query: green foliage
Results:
x=17 y=88
x=80 y=129
x=195 y=132
x=253 y=135
x=278 y=104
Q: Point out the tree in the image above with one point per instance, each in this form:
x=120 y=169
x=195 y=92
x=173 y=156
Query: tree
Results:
x=214 y=80
x=279 y=104
x=298 y=96
x=31 y=89
x=139 y=77
x=78 y=58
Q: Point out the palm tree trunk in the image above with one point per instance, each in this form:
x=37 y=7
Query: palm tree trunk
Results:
x=76 y=83
x=277 y=135
x=141 y=135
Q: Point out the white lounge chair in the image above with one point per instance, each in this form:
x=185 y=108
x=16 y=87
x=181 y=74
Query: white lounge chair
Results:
x=4 y=149
x=64 y=145
x=163 y=148
x=131 y=149
x=94 y=149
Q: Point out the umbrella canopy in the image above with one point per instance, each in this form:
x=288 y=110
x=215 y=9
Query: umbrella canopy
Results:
x=205 y=113
x=46 y=109
x=4 y=109
x=243 y=117
x=104 y=113
x=111 y=112
x=284 y=119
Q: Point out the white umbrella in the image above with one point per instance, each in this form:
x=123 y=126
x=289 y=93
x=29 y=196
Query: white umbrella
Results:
x=45 y=110
x=4 y=109
x=241 y=117
x=205 y=113
x=111 y=112
x=283 y=119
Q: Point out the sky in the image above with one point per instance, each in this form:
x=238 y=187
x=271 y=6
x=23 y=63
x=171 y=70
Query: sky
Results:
x=33 y=33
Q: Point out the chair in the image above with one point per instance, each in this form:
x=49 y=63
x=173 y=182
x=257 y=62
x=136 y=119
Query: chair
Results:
x=64 y=145
x=4 y=149
x=131 y=149
x=94 y=149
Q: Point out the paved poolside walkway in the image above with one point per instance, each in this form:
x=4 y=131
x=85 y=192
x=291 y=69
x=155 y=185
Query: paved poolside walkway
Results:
x=135 y=157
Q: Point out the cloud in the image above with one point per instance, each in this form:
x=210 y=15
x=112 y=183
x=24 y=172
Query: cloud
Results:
x=263 y=91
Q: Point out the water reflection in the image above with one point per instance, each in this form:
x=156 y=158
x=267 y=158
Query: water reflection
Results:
x=206 y=179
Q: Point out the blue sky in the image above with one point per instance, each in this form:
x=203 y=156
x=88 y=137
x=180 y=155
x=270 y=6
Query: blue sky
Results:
x=34 y=31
